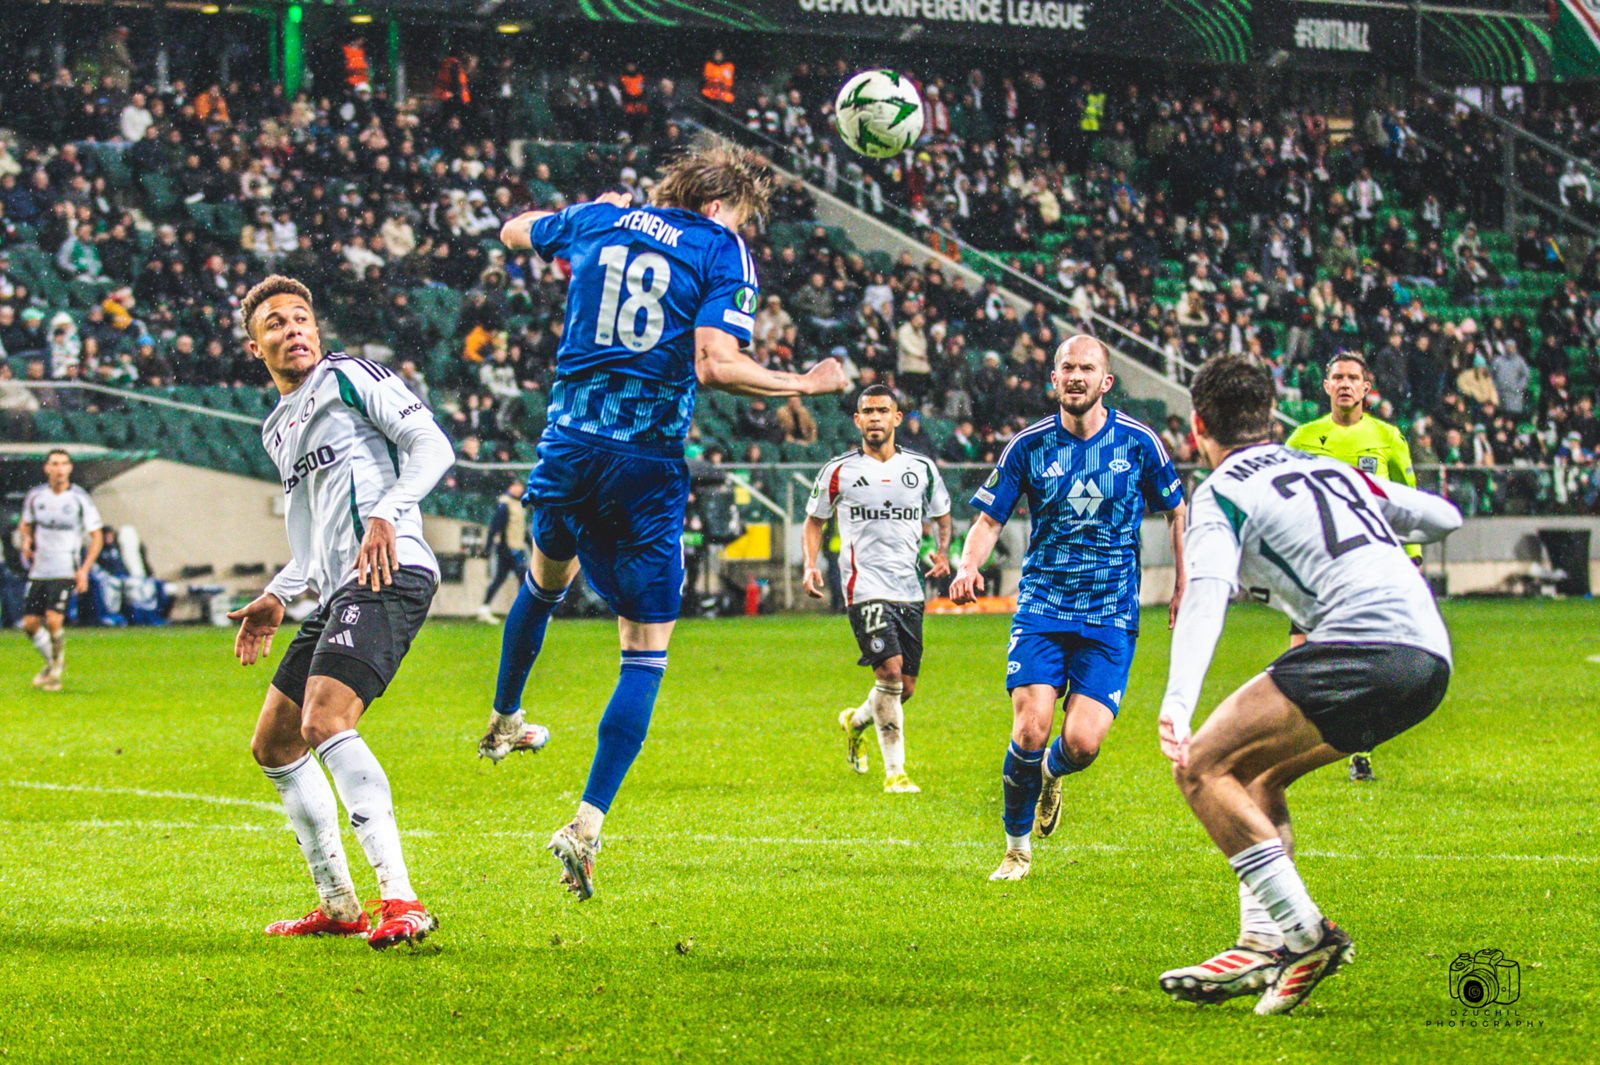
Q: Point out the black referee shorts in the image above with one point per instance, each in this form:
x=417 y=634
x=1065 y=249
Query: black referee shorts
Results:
x=358 y=637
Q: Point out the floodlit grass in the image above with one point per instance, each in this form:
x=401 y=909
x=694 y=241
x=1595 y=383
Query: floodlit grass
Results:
x=757 y=901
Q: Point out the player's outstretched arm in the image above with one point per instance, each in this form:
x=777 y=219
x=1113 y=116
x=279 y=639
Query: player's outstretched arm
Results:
x=810 y=545
x=1419 y=517
x=719 y=364
x=1194 y=641
x=981 y=538
x=514 y=234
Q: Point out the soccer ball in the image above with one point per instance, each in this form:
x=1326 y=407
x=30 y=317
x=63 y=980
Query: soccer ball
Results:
x=879 y=112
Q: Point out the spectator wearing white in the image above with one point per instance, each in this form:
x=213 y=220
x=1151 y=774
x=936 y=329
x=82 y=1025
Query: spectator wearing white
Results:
x=358 y=255
x=771 y=320
x=254 y=182
x=1572 y=180
x=399 y=240
x=136 y=118
x=912 y=364
x=65 y=347
x=1511 y=375
x=285 y=233
x=1365 y=194
x=476 y=217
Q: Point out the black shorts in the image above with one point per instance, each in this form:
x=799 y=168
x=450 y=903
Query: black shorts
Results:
x=885 y=629
x=1361 y=694
x=49 y=595
x=358 y=637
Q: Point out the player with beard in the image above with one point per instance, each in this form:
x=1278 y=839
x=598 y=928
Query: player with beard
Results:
x=882 y=494
x=1088 y=474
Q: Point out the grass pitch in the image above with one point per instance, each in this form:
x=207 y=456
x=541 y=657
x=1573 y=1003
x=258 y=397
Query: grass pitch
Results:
x=757 y=901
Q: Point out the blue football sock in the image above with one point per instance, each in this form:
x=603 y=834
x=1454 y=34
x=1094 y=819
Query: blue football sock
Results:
x=1022 y=775
x=521 y=641
x=1060 y=765
x=624 y=724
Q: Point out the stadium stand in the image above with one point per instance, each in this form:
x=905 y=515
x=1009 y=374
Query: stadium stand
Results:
x=1198 y=220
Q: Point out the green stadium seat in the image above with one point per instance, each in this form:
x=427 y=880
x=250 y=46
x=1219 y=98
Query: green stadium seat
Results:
x=161 y=194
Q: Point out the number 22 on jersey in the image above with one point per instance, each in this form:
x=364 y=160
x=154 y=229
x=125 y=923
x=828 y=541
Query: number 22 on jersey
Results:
x=619 y=318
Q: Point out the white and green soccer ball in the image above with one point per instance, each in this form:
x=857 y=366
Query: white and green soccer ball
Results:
x=879 y=113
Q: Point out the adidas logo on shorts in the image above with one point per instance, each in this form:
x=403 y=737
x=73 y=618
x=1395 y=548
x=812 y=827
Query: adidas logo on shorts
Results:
x=343 y=639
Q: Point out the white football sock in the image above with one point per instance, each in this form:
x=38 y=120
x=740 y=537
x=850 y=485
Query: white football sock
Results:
x=364 y=790
x=314 y=816
x=589 y=820
x=1019 y=843
x=890 y=720
x=1272 y=878
x=1257 y=929
x=862 y=715
x=41 y=643
x=58 y=648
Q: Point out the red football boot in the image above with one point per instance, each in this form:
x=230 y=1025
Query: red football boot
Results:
x=317 y=923
x=400 y=921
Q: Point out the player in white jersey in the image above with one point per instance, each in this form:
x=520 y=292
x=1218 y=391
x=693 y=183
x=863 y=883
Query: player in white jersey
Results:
x=1321 y=542
x=357 y=452
x=882 y=495
x=56 y=519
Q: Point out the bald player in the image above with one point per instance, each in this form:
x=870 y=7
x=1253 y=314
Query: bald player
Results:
x=1088 y=474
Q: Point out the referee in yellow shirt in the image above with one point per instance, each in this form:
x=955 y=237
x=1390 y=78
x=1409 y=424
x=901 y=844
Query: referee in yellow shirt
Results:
x=1371 y=445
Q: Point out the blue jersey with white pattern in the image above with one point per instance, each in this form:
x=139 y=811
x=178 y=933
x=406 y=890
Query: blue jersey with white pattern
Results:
x=642 y=280
x=1087 y=499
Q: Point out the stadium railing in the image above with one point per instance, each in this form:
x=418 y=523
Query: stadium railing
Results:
x=870 y=200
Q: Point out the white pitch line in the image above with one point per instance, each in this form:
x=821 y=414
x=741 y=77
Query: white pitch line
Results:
x=215 y=800
x=787 y=841
x=778 y=841
x=1593 y=658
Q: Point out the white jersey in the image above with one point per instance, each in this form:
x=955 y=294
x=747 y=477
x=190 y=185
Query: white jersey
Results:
x=881 y=507
x=1320 y=541
x=351 y=443
x=60 y=522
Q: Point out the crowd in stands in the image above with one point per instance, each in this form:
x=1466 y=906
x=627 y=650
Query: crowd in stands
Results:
x=1195 y=219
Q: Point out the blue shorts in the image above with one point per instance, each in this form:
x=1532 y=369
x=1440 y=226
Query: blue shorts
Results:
x=620 y=514
x=1088 y=660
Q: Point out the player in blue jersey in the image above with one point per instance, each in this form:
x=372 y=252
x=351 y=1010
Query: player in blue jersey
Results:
x=660 y=299
x=1088 y=474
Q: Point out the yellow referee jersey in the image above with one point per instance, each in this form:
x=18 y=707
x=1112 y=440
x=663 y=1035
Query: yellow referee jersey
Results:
x=1370 y=445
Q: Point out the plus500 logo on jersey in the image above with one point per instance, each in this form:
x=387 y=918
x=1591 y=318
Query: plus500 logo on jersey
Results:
x=311 y=460
x=886 y=514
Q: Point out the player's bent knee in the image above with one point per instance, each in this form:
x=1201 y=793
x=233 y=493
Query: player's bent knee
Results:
x=1081 y=749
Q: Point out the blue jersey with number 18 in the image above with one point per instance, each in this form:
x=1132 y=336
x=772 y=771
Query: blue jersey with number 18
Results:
x=642 y=280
